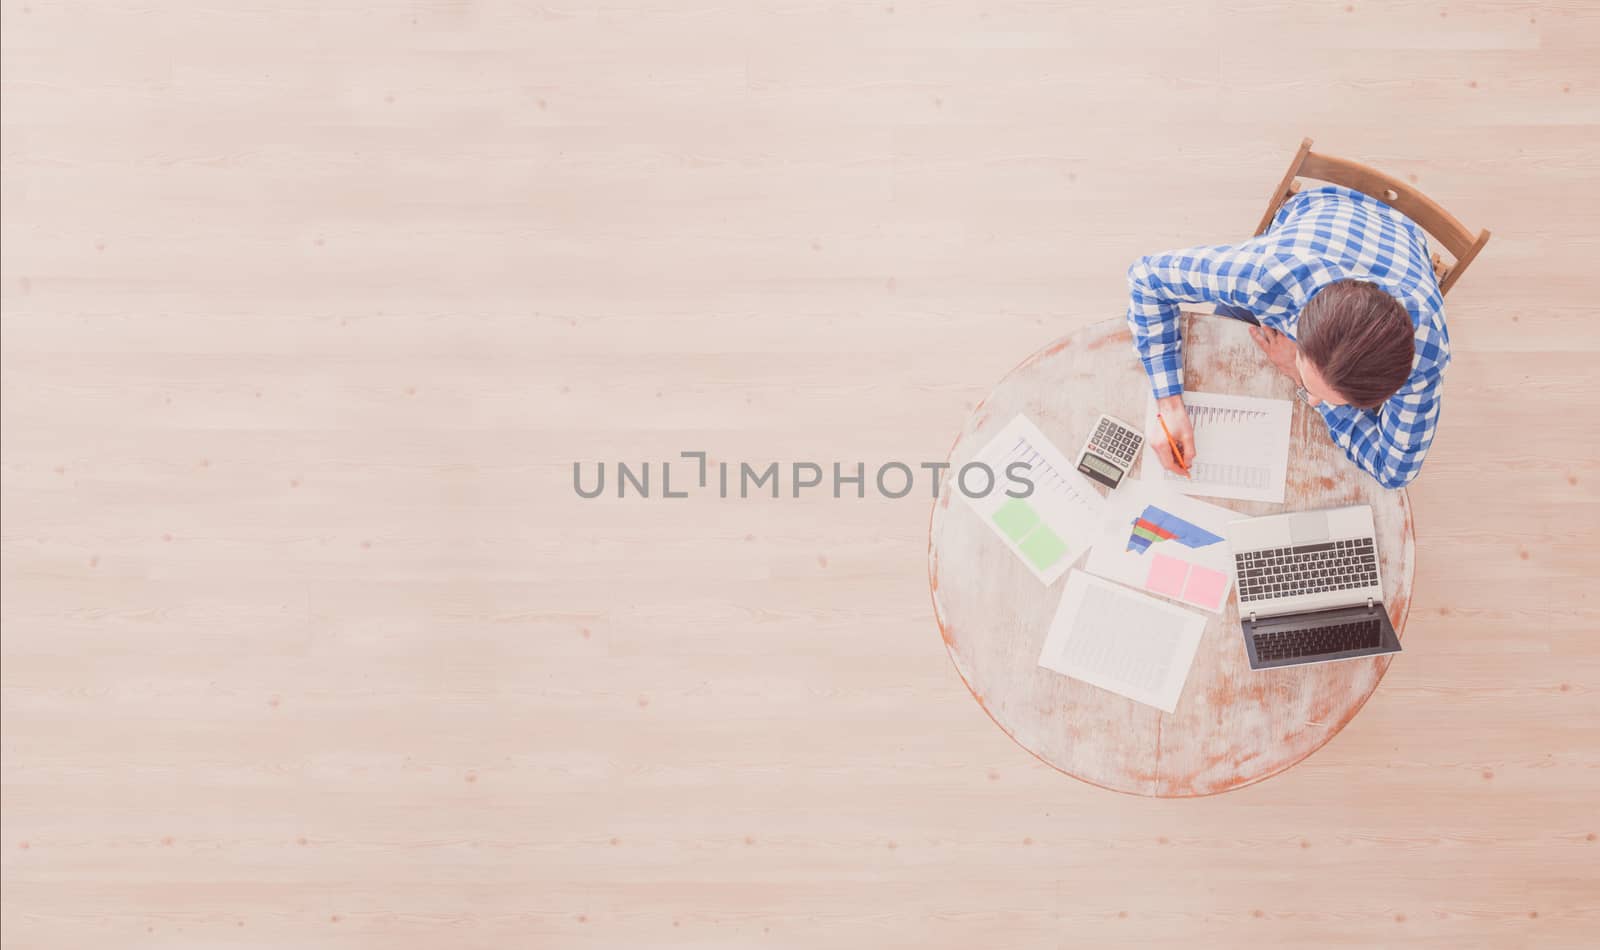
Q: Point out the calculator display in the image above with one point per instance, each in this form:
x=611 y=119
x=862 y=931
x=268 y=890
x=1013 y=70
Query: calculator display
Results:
x=1101 y=465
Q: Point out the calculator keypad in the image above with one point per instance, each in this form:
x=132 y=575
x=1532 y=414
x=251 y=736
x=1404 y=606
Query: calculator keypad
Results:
x=1116 y=443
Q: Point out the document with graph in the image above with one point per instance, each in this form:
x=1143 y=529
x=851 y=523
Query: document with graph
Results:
x=1121 y=640
x=1241 y=446
x=1050 y=528
x=1159 y=541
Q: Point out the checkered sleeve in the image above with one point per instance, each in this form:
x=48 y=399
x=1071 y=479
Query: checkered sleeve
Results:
x=1389 y=443
x=1157 y=284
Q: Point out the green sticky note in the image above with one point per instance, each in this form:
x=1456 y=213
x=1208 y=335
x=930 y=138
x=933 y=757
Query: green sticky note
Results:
x=1043 y=547
x=1015 y=518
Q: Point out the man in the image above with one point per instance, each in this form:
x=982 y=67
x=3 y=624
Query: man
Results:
x=1342 y=291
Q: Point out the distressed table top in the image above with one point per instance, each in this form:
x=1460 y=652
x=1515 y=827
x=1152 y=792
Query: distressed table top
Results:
x=1232 y=726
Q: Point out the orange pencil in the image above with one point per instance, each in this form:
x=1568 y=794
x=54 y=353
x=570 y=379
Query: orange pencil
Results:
x=1177 y=452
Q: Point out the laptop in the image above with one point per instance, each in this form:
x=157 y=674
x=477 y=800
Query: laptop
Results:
x=1309 y=590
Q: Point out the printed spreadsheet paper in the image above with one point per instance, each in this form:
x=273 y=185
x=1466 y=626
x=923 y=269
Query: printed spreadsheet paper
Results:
x=1121 y=640
x=1241 y=446
x=1157 y=540
x=1052 y=527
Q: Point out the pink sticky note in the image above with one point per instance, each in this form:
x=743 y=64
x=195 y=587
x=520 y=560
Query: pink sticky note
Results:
x=1166 y=575
x=1205 y=587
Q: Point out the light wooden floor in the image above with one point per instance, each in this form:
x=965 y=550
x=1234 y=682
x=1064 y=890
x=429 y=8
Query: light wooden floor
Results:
x=310 y=306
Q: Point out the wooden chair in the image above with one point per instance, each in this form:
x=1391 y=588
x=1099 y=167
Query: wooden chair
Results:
x=1440 y=224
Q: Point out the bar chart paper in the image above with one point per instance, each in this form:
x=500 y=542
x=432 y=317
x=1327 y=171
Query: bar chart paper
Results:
x=1241 y=447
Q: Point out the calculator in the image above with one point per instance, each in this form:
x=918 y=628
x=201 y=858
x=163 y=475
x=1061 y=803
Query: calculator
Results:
x=1109 y=452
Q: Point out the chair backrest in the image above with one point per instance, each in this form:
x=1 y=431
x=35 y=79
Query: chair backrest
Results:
x=1440 y=224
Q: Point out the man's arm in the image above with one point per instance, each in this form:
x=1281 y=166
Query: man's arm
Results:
x=1390 y=443
x=1237 y=275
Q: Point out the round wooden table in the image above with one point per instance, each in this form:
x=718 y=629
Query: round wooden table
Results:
x=1232 y=726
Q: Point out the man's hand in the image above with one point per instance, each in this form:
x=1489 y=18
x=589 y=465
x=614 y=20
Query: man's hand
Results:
x=1177 y=420
x=1280 y=349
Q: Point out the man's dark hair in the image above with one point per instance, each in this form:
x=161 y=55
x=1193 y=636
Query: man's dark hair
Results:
x=1360 y=339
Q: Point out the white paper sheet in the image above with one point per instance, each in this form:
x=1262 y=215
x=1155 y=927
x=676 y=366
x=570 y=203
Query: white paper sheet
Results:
x=1193 y=566
x=1121 y=640
x=1051 y=528
x=1241 y=446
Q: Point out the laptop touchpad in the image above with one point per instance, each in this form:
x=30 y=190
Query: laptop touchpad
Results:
x=1308 y=527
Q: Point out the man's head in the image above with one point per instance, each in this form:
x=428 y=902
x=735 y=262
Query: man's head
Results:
x=1356 y=345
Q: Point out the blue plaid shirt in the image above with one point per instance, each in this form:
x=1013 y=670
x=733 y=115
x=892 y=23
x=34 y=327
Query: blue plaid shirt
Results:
x=1317 y=237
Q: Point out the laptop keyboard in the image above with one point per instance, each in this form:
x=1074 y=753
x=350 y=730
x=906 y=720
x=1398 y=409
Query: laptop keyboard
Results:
x=1307 y=569
x=1319 y=641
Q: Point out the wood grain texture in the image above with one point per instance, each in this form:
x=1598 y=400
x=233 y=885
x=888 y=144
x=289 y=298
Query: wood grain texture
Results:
x=1232 y=726
x=309 y=307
